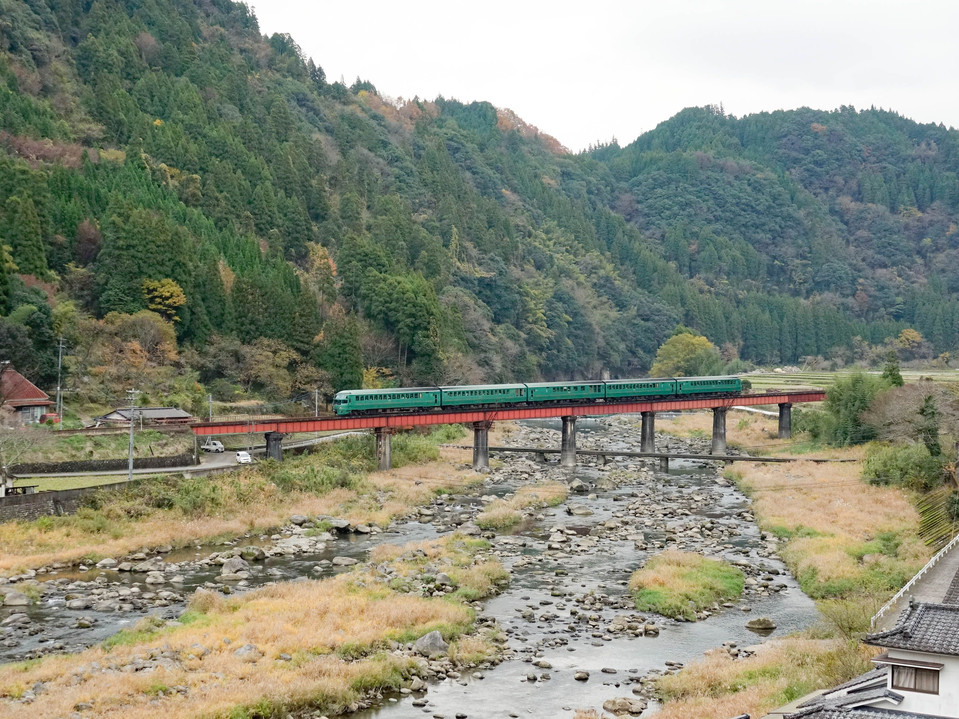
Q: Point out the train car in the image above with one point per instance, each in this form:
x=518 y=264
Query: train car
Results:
x=566 y=391
x=663 y=387
x=385 y=400
x=479 y=394
x=708 y=385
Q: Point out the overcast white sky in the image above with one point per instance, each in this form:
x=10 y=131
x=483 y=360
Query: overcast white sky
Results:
x=589 y=71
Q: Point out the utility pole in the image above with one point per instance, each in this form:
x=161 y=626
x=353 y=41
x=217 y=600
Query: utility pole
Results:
x=59 y=388
x=210 y=400
x=316 y=403
x=133 y=400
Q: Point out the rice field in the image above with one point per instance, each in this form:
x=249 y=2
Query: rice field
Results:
x=824 y=380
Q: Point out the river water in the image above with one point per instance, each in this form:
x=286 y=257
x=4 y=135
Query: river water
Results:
x=552 y=587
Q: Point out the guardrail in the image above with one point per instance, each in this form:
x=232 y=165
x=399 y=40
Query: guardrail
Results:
x=902 y=592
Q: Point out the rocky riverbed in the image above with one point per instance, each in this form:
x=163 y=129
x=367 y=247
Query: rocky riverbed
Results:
x=574 y=638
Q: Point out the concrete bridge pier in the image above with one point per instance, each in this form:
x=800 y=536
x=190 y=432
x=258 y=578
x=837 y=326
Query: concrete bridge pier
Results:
x=274 y=445
x=568 y=454
x=664 y=464
x=481 y=446
x=648 y=432
x=785 y=420
x=384 y=456
x=719 y=430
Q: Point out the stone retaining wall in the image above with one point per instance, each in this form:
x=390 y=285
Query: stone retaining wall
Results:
x=31 y=506
x=102 y=465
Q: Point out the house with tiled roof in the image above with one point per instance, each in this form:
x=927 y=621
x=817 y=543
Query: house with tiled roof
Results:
x=146 y=415
x=21 y=401
x=916 y=676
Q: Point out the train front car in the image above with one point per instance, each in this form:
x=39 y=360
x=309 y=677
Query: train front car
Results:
x=483 y=395
x=709 y=385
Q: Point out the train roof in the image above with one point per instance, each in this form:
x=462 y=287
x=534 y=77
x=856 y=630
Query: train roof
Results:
x=473 y=387
x=367 y=392
x=640 y=379
x=710 y=377
x=565 y=383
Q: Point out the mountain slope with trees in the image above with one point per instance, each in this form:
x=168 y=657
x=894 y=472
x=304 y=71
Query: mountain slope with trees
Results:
x=854 y=210
x=193 y=205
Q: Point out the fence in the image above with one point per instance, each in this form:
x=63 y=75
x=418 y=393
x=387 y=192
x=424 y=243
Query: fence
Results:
x=902 y=592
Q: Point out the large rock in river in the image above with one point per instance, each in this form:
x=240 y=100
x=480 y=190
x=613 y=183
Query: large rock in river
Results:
x=761 y=624
x=431 y=645
x=234 y=565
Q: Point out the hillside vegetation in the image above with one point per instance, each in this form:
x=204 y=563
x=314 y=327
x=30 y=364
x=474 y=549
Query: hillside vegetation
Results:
x=194 y=208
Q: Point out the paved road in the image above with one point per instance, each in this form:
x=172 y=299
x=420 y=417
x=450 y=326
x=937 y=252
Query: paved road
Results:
x=209 y=462
x=940 y=585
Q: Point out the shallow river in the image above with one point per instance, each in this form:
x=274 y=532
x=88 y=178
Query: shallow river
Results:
x=546 y=582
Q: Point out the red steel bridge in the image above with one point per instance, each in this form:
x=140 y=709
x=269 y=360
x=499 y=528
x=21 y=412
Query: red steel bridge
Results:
x=482 y=419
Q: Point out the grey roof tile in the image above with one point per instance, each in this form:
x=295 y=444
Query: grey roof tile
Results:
x=859 y=713
x=923 y=627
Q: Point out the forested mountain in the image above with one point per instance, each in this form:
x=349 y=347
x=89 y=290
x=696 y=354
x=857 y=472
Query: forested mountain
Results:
x=185 y=201
x=851 y=210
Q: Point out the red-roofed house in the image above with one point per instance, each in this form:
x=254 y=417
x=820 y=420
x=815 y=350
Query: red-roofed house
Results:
x=21 y=401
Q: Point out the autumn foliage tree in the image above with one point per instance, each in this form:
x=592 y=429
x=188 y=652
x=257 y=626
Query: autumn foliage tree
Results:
x=686 y=355
x=164 y=297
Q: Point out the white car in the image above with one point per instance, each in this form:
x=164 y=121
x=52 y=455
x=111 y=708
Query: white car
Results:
x=212 y=445
x=243 y=458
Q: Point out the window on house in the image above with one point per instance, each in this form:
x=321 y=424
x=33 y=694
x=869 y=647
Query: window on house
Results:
x=915 y=679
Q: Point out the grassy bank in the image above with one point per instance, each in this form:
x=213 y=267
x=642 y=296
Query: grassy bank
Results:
x=316 y=644
x=51 y=447
x=681 y=584
x=851 y=546
x=779 y=672
x=506 y=513
x=842 y=538
x=338 y=479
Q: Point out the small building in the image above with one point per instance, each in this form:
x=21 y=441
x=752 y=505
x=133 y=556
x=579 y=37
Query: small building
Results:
x=22 y=401
x=916 y=677
x=146 y=415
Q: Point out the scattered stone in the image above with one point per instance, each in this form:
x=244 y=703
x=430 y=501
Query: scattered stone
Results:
x=108 y=563
x=344 y=561
x=581 y=676
x=625 y=706
x=299 y=519
x=248 y=653
x=251 y=554
x=16 y=599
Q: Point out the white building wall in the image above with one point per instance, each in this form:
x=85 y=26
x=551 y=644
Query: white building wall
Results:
x=946 y=703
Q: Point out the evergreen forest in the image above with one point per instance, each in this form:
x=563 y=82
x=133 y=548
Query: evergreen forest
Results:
x=195 y=207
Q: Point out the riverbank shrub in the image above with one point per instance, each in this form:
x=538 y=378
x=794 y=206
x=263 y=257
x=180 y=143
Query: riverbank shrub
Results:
x=681 y=584
x=910 y=466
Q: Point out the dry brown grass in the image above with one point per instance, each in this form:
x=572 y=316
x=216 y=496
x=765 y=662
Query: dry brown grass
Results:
x=250 y=504
x=718 y=687
x=503 y=513
x=320 y=624
x=828 y=514
x=753 y=433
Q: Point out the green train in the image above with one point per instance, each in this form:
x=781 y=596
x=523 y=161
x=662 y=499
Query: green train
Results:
x=410 y=399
